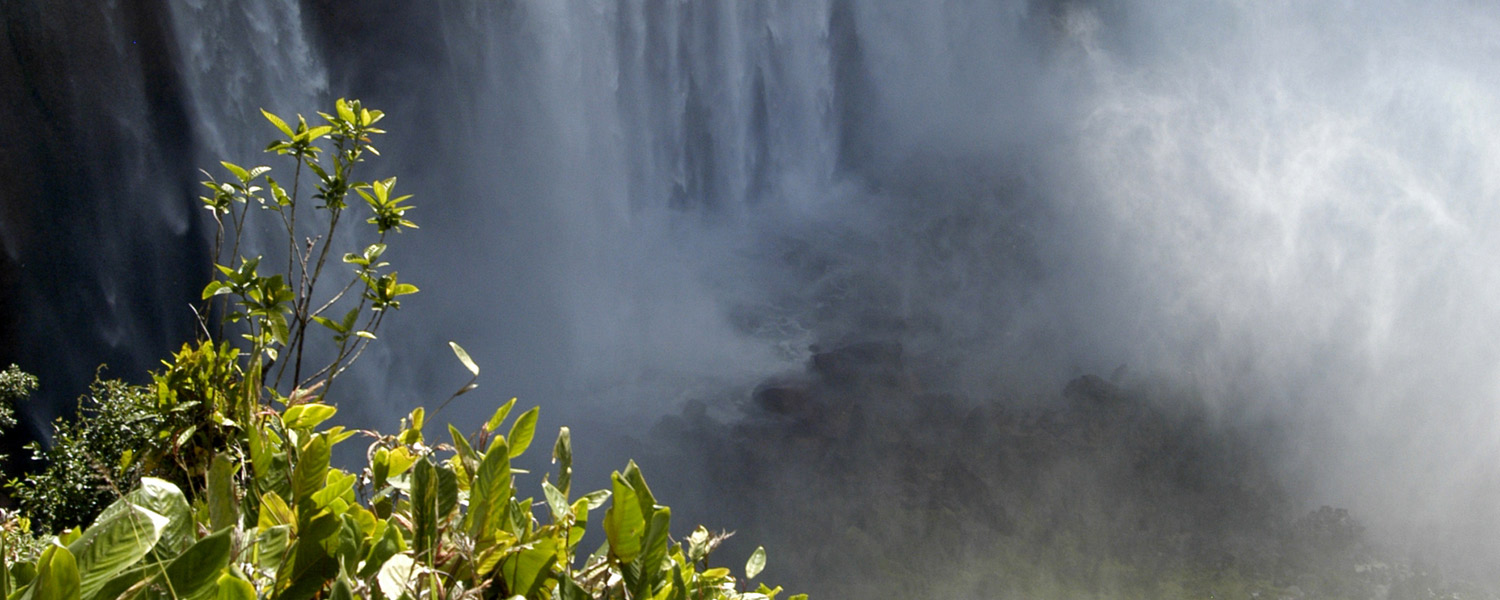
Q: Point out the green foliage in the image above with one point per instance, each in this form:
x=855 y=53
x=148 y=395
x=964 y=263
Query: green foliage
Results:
x=232 y=488
x=89 y=461
x=15 y=388
x=416 y=522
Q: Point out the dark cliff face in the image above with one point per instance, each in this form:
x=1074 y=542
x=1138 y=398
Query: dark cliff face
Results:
x=101 y=253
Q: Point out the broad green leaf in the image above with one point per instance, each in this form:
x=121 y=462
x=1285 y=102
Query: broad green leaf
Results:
x=114 y=543
x=223 y=502
x=499 y=417
x=275 y=120
x=337 y=485
x=271 y=547
x=238 y=171
x=312 y=470
x=387 y=545
x=234 y=588
x=447 y=492
x=424 y=501
x=562 y=453
x=413 y=428
x=623 y=522
x=580 y=510
x=463 y=357
x=464 y=450
x=654 y=548
x=556 y=501
x=525 y=571
x=522 y=431
x=274 y=511
x=307 y=416
x=488 y=556
x=5 y=564
x=394 y=576
x=344 y=111
x=400 y=460
x=757 y=563
x=164 y=499
x=311 y=566
x=350 y=539
x=116 y=587
x=56 y=576
x=215 y=288
x=638 y=483
x=490 y=494
x=194 y=574
x=327 y=322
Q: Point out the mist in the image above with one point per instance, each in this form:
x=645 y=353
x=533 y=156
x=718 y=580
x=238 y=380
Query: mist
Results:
x=1271 y=220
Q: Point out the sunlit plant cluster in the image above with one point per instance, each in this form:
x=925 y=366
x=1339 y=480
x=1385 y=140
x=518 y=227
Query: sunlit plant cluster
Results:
x=218 y=478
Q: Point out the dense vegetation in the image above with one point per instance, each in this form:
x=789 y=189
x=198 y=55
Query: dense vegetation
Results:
x=217 y=479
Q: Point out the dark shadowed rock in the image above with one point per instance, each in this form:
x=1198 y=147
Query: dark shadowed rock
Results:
x=874 y=362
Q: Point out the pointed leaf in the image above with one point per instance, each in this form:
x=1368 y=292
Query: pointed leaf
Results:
x=311 y=471
x=499 y=416
x=757 y=563
x=522 y=431
x=165 y=499
x=562 y=453
x=194 y=574
x=307 y=416
x=275 y=120
x=623 y=522
x=223 y=501
x=234 y=588
x=56 y=576
x=238 y=171
x=525 y=571
x=491 y=492
x=463 y=357
x=114 y=542
x=394 y=576
x=556 y=501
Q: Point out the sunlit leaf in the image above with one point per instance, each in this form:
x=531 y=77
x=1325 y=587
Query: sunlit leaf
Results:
x=194 y=574
x=499 y=417
x=307 y=416
x=757 y=563
x=394 y=575
x=623 y=522
x=463 y=357
x=522 y=432
x=275 y=120
x=57 y=576
x=113 y=543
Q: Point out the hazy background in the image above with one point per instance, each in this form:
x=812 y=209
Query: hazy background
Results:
x=635 y=205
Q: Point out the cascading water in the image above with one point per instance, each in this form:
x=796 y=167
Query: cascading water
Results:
x=632 y=206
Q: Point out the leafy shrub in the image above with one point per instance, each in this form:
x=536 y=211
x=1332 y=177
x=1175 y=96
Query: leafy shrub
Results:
x=83 y=470
x=15 y=387
x=227 y=454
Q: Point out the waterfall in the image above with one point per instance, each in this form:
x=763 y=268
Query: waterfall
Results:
x=633 y=206
x=112 y=108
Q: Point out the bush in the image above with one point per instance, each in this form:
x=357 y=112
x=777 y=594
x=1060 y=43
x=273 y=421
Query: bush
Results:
x=227 y=454
x=84 y=469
